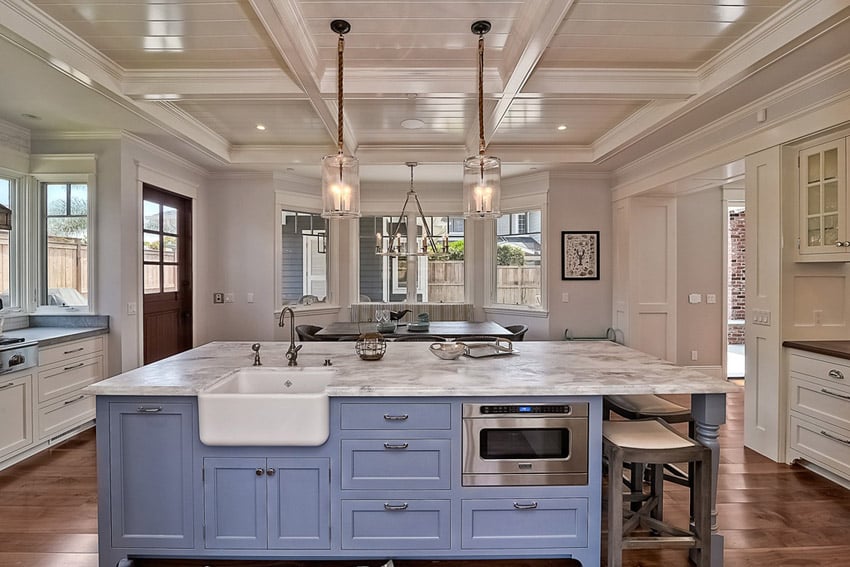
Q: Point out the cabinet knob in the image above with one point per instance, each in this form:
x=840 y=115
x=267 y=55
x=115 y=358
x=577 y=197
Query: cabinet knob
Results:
x=270 y=472
x=259 y=472
x=839 y=244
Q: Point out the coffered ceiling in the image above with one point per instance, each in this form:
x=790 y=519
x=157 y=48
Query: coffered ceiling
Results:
x=198 y=76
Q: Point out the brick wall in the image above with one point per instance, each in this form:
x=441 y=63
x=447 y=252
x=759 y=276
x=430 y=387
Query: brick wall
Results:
x=737 y=274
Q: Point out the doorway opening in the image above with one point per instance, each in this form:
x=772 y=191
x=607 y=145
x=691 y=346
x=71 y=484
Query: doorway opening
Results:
x=736 y=270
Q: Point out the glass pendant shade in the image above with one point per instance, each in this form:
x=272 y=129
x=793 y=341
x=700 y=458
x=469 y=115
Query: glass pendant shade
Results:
x=340 y=186
x=482 y=187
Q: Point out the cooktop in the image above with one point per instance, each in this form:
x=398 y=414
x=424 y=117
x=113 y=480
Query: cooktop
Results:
x=10 y=340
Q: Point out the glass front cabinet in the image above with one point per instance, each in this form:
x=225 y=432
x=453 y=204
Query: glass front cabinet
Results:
x=823 y=235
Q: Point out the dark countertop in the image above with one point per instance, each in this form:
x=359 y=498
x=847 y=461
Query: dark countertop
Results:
x=839 y=349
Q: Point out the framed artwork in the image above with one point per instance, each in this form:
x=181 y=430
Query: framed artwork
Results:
x=579 y=255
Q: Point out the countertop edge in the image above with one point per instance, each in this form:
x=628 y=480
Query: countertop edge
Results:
x=837 y=349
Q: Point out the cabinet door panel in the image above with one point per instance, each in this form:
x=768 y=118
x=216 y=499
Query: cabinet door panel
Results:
x=522 y=523
x=16 y=430
x=299 y=503
x=150 y=458
x=235 y=503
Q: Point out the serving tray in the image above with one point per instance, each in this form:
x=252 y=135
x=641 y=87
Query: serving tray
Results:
x=501 y=347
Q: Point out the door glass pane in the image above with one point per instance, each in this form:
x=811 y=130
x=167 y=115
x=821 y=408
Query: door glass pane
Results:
x=79 y=199
x=814 y=231
x=169 y=219
x=151 y=216
x=814 y=168
x=814 y=200
x=151 y=278
x=830 y=164
x=169 y=251
x=830 y=229
x=830 y=197
x=151 y=247
x=169 y=278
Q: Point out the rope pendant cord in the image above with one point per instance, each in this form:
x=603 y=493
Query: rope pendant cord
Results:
x=340 y=49
x=481 y=94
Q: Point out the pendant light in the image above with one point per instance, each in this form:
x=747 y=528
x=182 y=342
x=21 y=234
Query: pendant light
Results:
x=482 y=174
x=340 y=173
x=397 y=243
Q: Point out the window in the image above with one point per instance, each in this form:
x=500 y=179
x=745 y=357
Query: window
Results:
x=519 y=259
x=438 y=279
x=6 y=253
x=65 y=268
x=304 y=258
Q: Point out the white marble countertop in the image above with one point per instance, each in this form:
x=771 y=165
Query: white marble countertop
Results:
x=544 y=368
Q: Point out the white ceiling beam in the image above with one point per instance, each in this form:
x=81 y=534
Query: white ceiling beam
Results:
x=288 y=32
x=631 y=84
x=529 y=37
x=636 y=126
x=209 y=83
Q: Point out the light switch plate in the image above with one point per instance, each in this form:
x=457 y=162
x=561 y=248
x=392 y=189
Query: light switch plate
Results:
x=761 y=317
x=710 y=298
x=694 y=298
x=229 y=298
x=565 y=297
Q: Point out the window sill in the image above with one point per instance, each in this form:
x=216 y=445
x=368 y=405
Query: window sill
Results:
x=515 y=310
x=314 y=309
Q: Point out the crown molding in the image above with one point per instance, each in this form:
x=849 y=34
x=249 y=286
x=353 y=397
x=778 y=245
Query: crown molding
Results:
x=278 y=155
x=166 y=155
x=71 y=135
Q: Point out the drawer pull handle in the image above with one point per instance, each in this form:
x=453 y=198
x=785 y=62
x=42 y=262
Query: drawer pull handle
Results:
x=395 y=507
x=834 y=394
x=402 y=417
x=835 y=437
x=75 y=350
x=74 y=366
x=9 y=385
x=837 y=374
x=77 y=399
x=149 y=409
x=531 y=506
x=395 y=445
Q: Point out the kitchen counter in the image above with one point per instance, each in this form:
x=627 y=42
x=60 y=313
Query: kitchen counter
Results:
x=46 y=336
x=549 y=368
x=839 y=349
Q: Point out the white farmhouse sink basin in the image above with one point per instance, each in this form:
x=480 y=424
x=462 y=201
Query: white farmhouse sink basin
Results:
x=266 y=406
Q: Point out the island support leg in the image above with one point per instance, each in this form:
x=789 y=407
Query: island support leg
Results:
x=709 y=412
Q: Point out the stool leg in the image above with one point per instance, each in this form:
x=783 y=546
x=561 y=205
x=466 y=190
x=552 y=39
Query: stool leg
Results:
x=658 y=491
x=635 y=483
x=615 y=507
x=702 y=509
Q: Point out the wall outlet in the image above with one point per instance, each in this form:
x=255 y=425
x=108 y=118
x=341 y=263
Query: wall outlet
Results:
x=710 y=298
x=229 y=298
x=694 y=355
x=218 y=297
x=818 y=316
x=565 y=297
x=132 y=308
x=250 y=297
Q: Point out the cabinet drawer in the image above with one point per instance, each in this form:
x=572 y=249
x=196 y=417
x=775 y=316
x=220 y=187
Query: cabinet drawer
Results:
x=821 y=444
x=69 y=350
x=396 y=524
x=67 y=378
x=387 y=464
x=16 y=431
x=61 y=416
x=524 y=523
x=391 y=416
x=821 y=400
x=834 y=370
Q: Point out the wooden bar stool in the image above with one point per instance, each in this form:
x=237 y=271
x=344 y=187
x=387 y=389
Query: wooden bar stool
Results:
x=653 y=444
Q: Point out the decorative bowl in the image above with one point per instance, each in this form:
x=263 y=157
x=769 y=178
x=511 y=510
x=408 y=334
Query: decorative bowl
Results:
x=448 y=351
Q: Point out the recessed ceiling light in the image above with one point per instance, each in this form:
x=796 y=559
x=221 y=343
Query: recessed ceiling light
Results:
x=260 y=127
x=562 y=127
x=412 y=124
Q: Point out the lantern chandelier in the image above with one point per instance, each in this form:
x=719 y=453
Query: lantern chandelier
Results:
x=482 y=174
x=408 y=244
x=340 y=173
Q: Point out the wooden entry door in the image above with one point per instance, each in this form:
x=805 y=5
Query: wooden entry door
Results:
x=167 y=269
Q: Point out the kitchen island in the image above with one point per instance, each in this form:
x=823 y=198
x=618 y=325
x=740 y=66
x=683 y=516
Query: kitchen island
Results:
x=388 y=481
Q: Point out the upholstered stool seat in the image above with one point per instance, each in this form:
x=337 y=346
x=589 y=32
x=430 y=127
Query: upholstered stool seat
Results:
x=653 y=444
x=640 y=406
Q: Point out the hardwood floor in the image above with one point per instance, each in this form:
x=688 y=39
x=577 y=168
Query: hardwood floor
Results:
x=771 y=514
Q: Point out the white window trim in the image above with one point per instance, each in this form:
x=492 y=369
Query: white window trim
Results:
x=36 y=232
x=296 y=202
x=536 y=198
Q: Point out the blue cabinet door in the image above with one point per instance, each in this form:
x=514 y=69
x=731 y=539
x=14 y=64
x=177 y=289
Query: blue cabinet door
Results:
x=523 y=523
x=299 y=503
x=235 y=497
x=150 y=462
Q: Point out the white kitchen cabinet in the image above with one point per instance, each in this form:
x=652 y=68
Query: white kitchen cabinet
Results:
x=63 y=371
x=819 y=420
x=823 y=205
x=16 y=416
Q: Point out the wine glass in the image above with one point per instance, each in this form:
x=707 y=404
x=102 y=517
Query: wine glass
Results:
x=381 y=316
